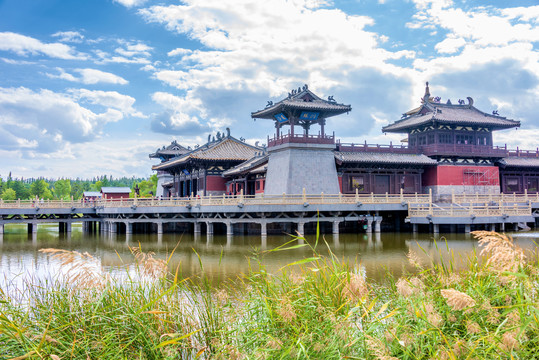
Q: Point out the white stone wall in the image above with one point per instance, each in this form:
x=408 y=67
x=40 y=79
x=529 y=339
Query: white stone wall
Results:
x=161 y=179
x=292 y=167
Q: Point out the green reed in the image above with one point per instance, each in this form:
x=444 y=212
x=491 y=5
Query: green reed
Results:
x=320 y=307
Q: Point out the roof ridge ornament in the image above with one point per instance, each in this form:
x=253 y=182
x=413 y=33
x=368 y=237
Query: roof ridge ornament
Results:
x=427 y=93
x=470 y=101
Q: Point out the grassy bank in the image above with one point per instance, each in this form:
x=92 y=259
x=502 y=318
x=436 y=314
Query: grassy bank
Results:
x=318 y=308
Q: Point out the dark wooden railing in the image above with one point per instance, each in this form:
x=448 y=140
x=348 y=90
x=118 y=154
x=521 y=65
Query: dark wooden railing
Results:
x=301 y=139
x=439 y=149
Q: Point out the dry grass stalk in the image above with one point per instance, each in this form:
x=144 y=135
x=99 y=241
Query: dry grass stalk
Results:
x=404 y=288
x=378 y=349
x=286 y=311
x=82 y=270
x=457 y=300
x=433 y=317
x=473 y=328
x=355 y=288
x=148 y=265
x=501 y=252
x=413 y=259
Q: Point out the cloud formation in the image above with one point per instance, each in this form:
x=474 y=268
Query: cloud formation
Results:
x=89 y=77
x=24 y=45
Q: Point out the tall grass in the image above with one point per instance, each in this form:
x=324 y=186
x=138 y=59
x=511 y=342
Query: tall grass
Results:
x=316 y=308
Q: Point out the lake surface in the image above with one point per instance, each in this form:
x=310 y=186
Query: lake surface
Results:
x=225 y=257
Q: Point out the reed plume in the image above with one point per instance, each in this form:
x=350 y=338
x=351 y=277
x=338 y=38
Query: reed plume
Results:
x=500 y=251
x=82 y=270
x=457 y=300
x=147 y=264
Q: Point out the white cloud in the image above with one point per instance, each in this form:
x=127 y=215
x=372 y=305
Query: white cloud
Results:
x=179 y=51
x=450 y=45
x=25 y=45
x=45 y=120
x=108 y=99
x=130 y=3
x=128 y=53
x=69 y=36
x=89 y=77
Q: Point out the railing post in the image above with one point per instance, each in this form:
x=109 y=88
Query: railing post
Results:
x=135 y=199
x=488 y=207
x=453 y=196
x=402 y=195
x=526 y=194
x=284 y=198
x=304 y=196
x=387 y=198
x=241 y=196
x=322 y=197
x=357 y=195
x=451 y=209
x=501 y=197
x=430 y=195
x=372 y=197
x=223 y=198
x=18 y=203
x=340 y=197
x=416 y=200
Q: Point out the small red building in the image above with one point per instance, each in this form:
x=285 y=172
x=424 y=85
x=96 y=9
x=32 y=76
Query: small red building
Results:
x=115 y=192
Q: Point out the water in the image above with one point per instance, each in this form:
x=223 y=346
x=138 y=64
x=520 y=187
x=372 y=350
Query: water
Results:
x=226 y=258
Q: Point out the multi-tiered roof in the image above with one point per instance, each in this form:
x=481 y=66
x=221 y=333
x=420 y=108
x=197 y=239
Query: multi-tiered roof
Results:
x=433 y=111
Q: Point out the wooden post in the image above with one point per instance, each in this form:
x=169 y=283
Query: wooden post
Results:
x=357 y=196
x=241 y=195
x=402 y=195
x=372 y=197
x=304 y=196
x=430 y=195
x=224 y=198
x=526 y=194
x=453 y=196
x=322 y=197
x=340 y=197
x=387 y=198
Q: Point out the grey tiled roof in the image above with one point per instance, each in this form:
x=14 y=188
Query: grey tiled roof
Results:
x=385 y=158
x=228 y=148
x=450 y=114
x=247 y=166
x=174 y=149
x=515 y=161
x=296 y=101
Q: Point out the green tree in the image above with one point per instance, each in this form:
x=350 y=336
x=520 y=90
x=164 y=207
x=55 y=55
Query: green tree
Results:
x=40 y=188
x=62 y=189
x=9 y=194
x=21 y=189
x=97 y=185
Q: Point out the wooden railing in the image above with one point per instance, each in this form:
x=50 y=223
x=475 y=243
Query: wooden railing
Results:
x=301 y=139
x=498 y=198
x=456 y=210
x=224 y=200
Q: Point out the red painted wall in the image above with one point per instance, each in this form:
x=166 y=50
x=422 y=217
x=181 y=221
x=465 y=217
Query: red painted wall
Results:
x=215 y=183
x=340 y=183
x=116 y=195
x=461 y=175
x=262 y=183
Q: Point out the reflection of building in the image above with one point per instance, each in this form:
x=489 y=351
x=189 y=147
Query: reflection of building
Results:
x=449 y=149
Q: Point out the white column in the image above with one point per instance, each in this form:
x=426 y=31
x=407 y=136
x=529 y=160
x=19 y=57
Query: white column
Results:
x=1 y=228
x=369 y=226
x=263 y=229
x=377 y=227
x=159 y=228
x=336 y=227
x=68 y=226
x=197 y=228
x=467 y=228
x=209 y=230
x=492 y=227
x=301 y=228
x=128 y=227
x=229 y=228
x=414 y=228
x=435 y=228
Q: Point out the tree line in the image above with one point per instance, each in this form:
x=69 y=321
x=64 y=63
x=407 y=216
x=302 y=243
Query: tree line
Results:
x=50 y=189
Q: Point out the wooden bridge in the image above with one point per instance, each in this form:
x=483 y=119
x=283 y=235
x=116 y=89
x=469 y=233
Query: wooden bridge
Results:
x=126 y=215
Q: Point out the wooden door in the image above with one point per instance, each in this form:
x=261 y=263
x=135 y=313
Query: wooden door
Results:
x=381 y=184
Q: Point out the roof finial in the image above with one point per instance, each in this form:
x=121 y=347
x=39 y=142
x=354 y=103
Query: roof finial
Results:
x=427 y=93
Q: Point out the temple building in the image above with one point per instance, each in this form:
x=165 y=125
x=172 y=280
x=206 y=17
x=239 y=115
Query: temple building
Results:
x=448 y=150
x=164 y=178
x=199 y=172
x=459 y=137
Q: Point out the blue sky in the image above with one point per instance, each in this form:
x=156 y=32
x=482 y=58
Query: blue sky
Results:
x=91 y=87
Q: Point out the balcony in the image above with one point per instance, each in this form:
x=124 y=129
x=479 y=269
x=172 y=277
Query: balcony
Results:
x=301 y=139
x=400 y=149
x=463 y=150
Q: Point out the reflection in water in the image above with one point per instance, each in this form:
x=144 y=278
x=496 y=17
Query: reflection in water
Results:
x=377 y=253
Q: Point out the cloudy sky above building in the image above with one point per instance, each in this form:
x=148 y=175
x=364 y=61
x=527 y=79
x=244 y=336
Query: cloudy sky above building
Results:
x=92 y=87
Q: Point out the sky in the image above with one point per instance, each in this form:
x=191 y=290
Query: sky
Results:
x=91 y=87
